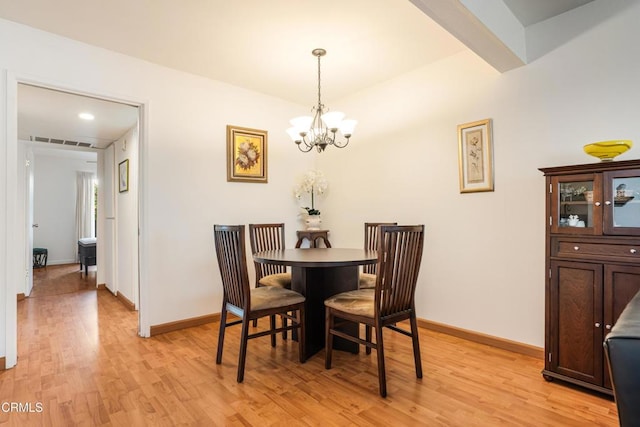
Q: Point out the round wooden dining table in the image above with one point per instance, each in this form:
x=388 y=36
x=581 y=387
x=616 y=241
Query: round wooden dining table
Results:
x=318 y=273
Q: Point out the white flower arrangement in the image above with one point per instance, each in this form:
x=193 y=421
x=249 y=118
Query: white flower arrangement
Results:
x=313 y=183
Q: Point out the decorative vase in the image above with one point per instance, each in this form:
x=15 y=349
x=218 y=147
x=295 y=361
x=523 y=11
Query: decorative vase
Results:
x=607 y=150
x=313 y=222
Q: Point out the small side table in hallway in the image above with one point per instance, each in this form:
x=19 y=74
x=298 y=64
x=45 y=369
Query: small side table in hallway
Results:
x=40 y=257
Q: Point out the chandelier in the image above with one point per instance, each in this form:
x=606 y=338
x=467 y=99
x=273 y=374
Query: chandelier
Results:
x=320 y=130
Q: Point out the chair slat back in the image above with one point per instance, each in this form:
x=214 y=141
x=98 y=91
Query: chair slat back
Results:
x=399 y=258
x=266 y=237
x=371 y=233
x=231 y=253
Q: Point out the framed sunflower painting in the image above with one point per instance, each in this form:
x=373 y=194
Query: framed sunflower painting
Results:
x=246 y=155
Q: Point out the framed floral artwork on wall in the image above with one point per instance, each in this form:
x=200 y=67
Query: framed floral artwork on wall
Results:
x=246 y=154
x=475 y=156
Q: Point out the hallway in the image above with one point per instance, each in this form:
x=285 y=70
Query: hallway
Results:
x=61 y=279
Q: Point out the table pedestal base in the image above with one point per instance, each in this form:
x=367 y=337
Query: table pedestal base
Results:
x=317 y=284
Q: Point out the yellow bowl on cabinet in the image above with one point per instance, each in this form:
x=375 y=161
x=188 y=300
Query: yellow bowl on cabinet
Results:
x=608 y=150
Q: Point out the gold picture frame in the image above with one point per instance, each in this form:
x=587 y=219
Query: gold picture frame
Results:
x=475 y=156
x=123 y=176
x=246 y=155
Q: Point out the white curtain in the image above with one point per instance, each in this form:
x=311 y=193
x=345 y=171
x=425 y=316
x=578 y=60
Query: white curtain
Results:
x=85 y=223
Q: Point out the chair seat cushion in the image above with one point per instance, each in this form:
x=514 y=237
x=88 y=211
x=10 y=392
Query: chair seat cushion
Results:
x=280 y=280
x=267 y=297
x=358 y=302
x=367 y=281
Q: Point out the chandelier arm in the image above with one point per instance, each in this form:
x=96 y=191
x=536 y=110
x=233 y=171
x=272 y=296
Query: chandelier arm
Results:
x=332 y=138
x=307 y=146
x=341 y=144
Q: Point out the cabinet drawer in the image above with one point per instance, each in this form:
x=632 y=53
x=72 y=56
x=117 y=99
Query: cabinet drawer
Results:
x=597 y=250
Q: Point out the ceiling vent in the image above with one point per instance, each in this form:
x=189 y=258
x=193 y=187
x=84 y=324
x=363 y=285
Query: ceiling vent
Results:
x=61 y=141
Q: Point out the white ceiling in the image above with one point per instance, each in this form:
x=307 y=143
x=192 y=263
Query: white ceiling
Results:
x=260 y=45
x=531 y=12
x=51 y=116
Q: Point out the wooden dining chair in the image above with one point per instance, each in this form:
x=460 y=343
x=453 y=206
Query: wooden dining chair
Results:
x=367 y=278
x=251 y=303
x=392 y=300
x=269 y=237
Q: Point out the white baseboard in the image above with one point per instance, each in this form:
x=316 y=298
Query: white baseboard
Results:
x=61 y=262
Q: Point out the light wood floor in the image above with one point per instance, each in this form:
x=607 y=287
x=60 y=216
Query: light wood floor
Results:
x=79 y=357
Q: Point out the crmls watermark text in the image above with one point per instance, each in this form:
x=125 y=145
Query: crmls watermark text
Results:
x=21 y=407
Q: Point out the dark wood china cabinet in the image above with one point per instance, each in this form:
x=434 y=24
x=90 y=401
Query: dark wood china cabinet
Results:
x=592 y=264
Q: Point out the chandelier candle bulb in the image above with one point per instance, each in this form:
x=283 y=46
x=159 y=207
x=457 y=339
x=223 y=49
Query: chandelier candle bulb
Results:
x=295 y=135
x=302 y=124
x=347 y=127
x=333 y=120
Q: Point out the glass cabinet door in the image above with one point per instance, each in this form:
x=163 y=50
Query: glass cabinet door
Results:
x=576 y=204
x=622 y=202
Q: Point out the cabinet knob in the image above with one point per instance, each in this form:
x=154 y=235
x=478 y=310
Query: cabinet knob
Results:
x=607 y=203
x=576 y=248
x=597 y=203
x=633 y=251
x=597 y=325
x=607 y=326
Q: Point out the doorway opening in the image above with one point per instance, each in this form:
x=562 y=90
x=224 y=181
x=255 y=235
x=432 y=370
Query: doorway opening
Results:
x=104 y=208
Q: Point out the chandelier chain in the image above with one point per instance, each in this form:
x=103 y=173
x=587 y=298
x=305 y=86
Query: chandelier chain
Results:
x=319 y=101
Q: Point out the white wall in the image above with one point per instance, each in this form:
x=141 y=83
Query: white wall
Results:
x=483 y=266
x=54 y=208
x=126 y=148
x=106 y=219
x=23 y=216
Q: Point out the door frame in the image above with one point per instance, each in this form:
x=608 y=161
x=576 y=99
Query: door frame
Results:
x=13 y=270
x=28 y=224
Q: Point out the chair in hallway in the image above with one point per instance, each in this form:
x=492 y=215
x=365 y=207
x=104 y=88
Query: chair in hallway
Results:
x=251 y=303
x=392 y=300
x=367 y=279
